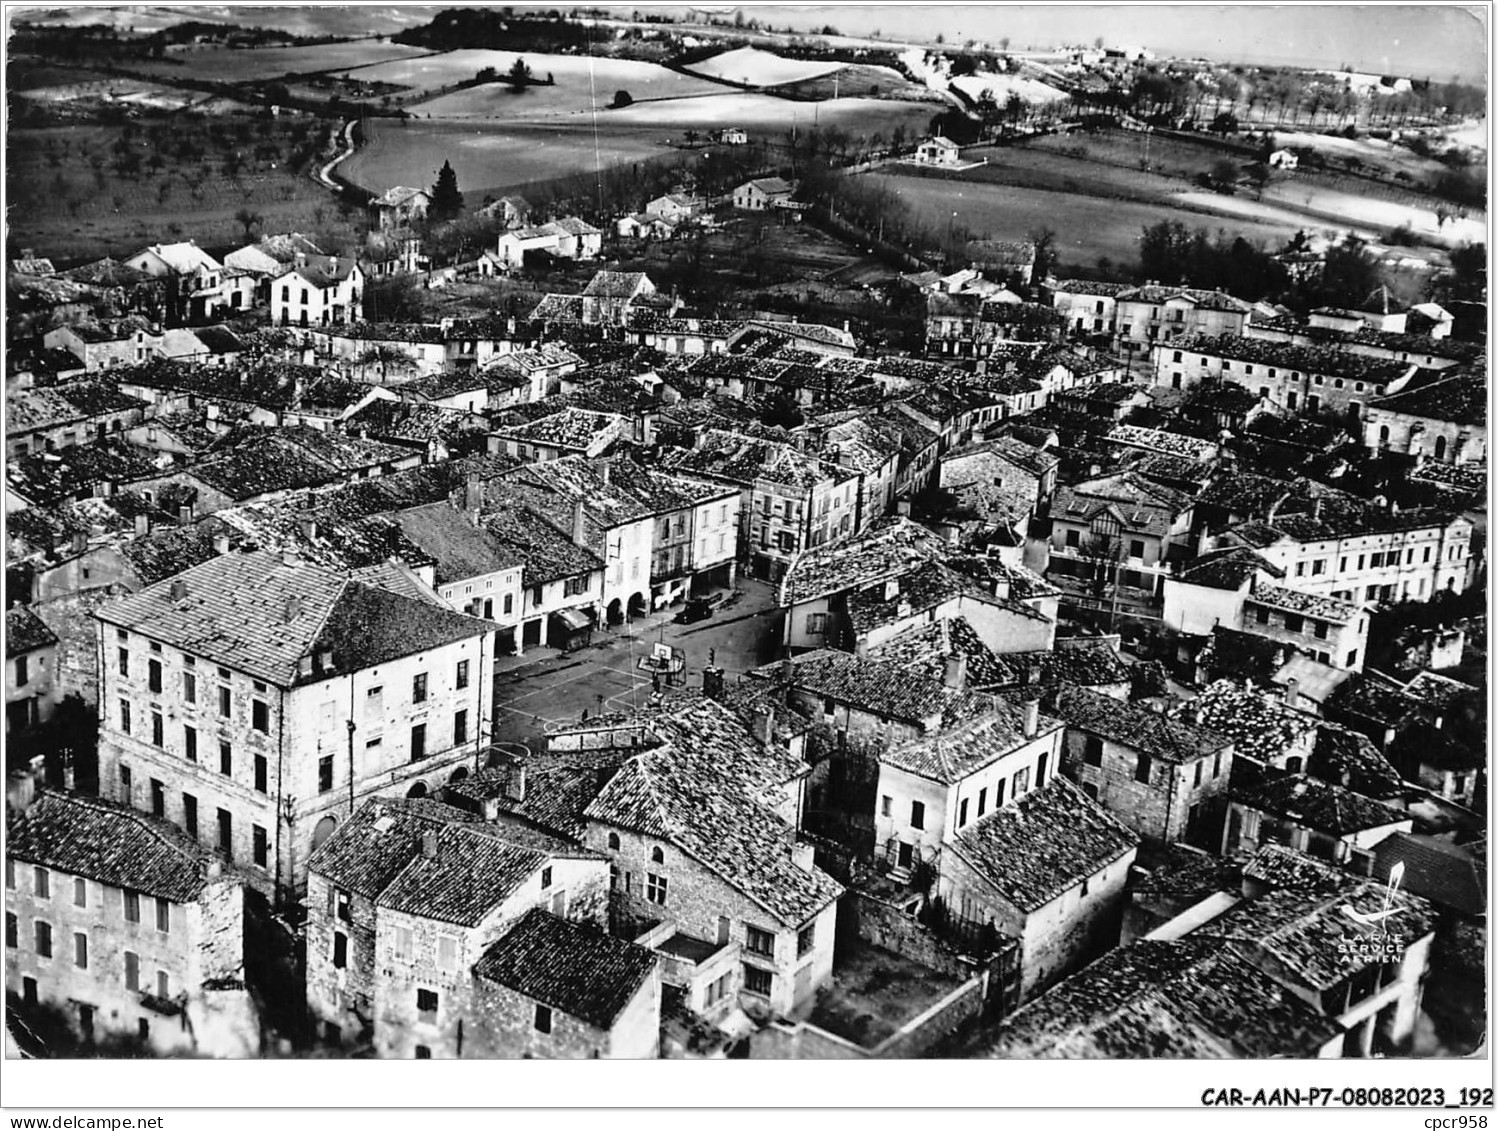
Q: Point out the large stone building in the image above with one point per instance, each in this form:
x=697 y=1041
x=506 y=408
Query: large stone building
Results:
x=254 y=702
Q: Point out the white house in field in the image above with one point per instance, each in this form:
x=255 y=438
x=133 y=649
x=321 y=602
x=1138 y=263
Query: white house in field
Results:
x=317 y=290
x=938 y=151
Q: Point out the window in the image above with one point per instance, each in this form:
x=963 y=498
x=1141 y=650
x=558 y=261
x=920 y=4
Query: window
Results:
x=340 y=950
x=1319 y=630
x=158 y=729
x=22 y=675
x=127 y=791
x=1142 y=768
x=806 y=938
x=757 y=941
x=418 y=742
x=132 y=970
x=190 y=687
x=260 y=845
x=190 y=743
x=1136 y=548
x=226 y=833
x=401 y=943
x=153 y=675
x=163 y=916
x=125 y=716
x=43 y=938
x=757 y=981
x=657 y=856
x=545 y=878
x=1092 y=750
x=124 y=661
x=190 y=814
x=340 y=904
x=158 y=798
x=419 y=688
x=163 y=984
x=260 y=716
x=325 y=773
x=225 y=702
x=1074 y=539
x=10 y=874
x=982 y=800
x=1022 y=782
x=12 y=930
x=132 y=906
x=80 y=892
x=225 y=758
x=447 y=952
x=1352 y=657
x=261 y=774
x=962 y=813
x=462 y=678
x=1216 y=764
x=460 y=728
x=998 y=794
x=1261 y=616
x=613 y=841
x=917 y=815
x=1197 y=780
x=426 y=1001
x=1318 y=567
x=1040 y=770
x=423 y=1053
x=374 y=701
x=1294 y=623
x=42 y=884
x=655 y=888
x=543 y=1019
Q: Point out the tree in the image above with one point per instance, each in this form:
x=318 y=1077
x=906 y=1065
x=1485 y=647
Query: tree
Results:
x=447 y=201
x=622 y=98
x=520 y=76
x=1224 y=174
x=249 y=220
x=1046 y=260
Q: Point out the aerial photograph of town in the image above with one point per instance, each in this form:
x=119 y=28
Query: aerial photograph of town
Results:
x=746 y=532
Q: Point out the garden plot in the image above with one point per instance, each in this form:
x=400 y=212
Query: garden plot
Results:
x=749 y=66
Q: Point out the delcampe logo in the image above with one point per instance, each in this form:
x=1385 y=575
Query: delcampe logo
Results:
x=1373 y=938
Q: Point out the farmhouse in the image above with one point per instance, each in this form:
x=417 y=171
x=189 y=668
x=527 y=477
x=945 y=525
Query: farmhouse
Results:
x=675 y=207
x=1444 y=420
x=761 y=194
x=195 y=279
x=399 y=207
x=938 y=151
x=317 y=290
x=568 y=238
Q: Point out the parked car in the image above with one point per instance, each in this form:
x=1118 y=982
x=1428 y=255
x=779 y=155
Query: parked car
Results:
x=699 y=608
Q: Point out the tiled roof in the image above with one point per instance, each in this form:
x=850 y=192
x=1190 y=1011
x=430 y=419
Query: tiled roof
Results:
x=557 y=308
x=1375 y=698
x=261 y=465
x=954 y=753
x=1349 y=758
x=771 y=185
x=110 y=843
x=878 y=687
x=746 y=460
x=1301 y=359
x=1301 y=930
x=1091 y=287
x=1155 y=440
x=1080 y=662
x=546 y=553
x=1329 y=609
x=922 y=589
x=166 y=551
x=1319 y=805
x=25 y=632
x=557 y=792
x=1029 y=459
x=416 y=332
x=1425 y=743
x=1051 y=839
x=258 y=614
x=322 y=271
x=615 y=284
x=369 y=850
x=44 y=478
x=571 y=967
x=890 y=547
x=459 y=549
x=1183 y=998
x=471 y=871
x=1259 y=724
x=1462 y=399
x=1448 y=874
x=1137 y=728
x=923 y=650
x=1143 y=505
x=1244 y=494
x=703 y=790
x=400 y=194
x=27 y=410
x=398 y=420
x=1227 y=569
x=1438 y=691
x=574 y=428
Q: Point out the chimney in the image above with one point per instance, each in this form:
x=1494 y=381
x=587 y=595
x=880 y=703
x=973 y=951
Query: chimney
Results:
x=429 y=843
x=804 y=856
x=515 y=782
x=69 y=775
x=473 y=494
x=903 y=609
x=712 y=683
x=291 y=558
x=20 y=792
x=80 y=541
x=184 y=515
x=1292 y=692
x=142 y=524
x=293 y=608
x=578 y=531
x=787 y=670
x=1032 y=717
x=764 y=725
x=179 y=589
x=325 y=659
x=220 y=543
x=1316 y=508
x=891 y=588
x=955 y=675
x=489 y=809
x=603 y=471
x=308 y=527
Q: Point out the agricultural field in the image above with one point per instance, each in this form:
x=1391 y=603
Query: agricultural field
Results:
x=1003 y=86
x=863 y=80
x=486 y=160
x=258 y=64
x=764 y=113
x=1087 y=228
x=749 y=66
x=583 y=83
x=187 y=180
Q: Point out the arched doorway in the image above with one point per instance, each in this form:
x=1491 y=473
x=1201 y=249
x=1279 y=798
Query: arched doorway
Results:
x=1440 y=448
x=417 y=790
x=322 y=830
x=457 y=775
x=638 y=606
x=615 y=612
